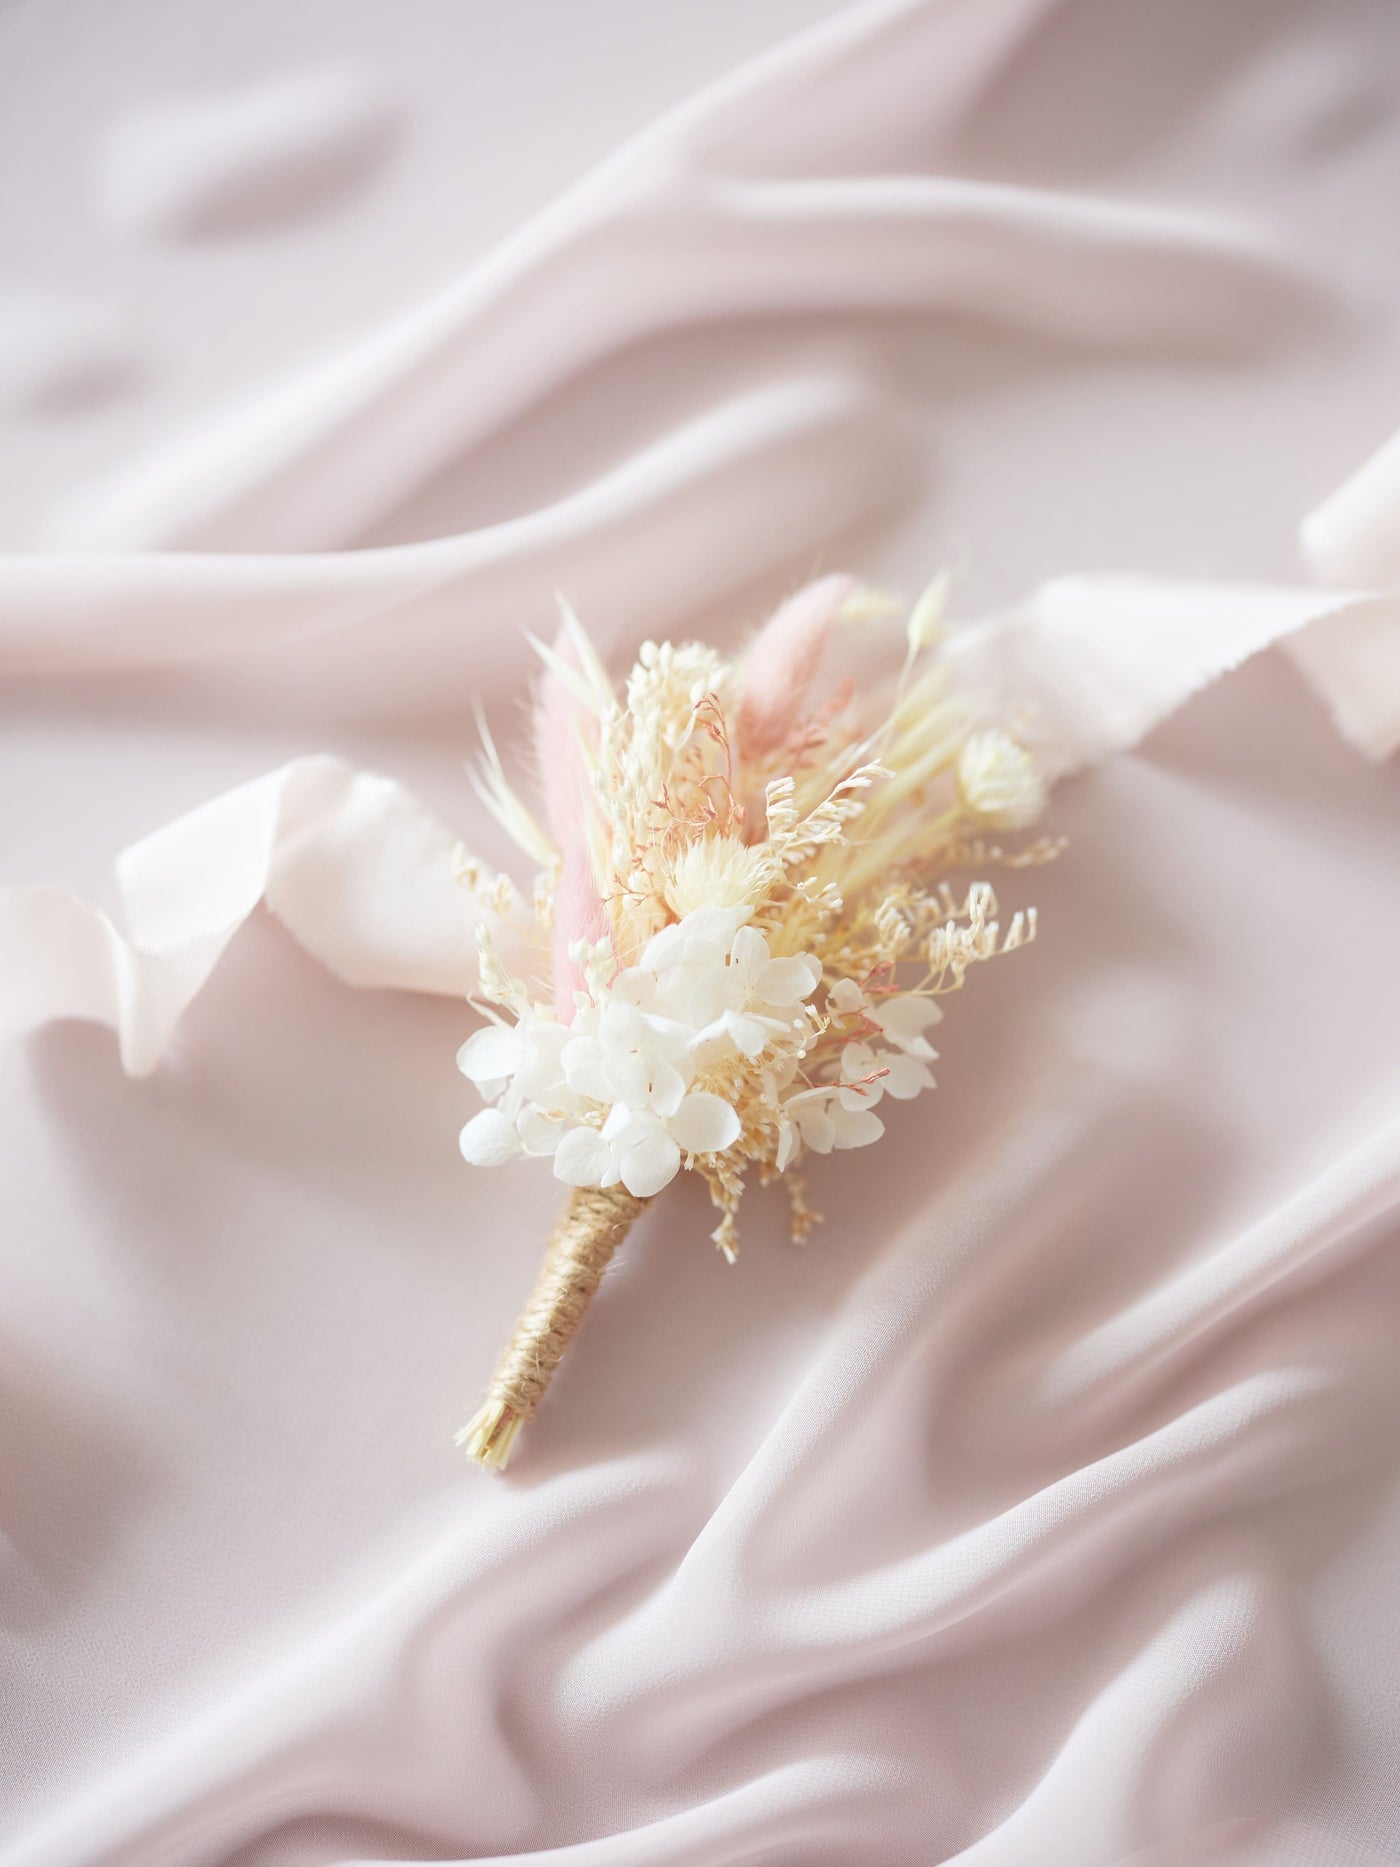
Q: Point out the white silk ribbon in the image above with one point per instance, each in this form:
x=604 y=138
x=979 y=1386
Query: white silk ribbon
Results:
x=1089 y=665
x=356 y=870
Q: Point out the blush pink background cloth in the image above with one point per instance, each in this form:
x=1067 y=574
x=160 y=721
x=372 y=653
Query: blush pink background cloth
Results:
x=1042 y=1511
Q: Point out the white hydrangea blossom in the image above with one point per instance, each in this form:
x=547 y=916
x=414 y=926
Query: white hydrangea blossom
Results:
x=612 y=1097
x=892 y=1060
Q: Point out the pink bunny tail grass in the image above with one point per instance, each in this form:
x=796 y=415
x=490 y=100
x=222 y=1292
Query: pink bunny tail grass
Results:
x=578 y=915
x=783 y=662
x=558 y=724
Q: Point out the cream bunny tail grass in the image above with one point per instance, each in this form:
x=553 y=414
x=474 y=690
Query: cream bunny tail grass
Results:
x=593 y=1224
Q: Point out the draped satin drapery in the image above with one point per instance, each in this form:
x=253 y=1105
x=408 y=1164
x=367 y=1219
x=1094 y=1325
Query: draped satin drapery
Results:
x=1042 y=1511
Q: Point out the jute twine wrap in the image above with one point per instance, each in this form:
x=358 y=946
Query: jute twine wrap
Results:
x=591 y=1227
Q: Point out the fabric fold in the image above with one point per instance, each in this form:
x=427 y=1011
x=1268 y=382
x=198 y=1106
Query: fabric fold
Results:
x=1042 y=1510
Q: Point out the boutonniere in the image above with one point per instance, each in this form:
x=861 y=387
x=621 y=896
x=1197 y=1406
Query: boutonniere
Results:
x=744 y=878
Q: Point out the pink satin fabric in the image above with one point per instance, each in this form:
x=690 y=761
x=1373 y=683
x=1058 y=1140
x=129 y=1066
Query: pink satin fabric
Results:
x=1043 y=1510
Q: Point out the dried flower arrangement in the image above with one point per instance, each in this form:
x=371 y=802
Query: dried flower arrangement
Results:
x=742 y=884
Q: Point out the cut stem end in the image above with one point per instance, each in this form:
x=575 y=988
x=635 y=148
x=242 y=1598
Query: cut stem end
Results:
x=490 y=1434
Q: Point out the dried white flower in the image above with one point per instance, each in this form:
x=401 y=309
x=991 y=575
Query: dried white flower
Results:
x=998 y=781
x=716 y=871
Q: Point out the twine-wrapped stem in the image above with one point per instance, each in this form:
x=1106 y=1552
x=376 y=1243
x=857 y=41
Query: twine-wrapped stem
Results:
x=591 y=1227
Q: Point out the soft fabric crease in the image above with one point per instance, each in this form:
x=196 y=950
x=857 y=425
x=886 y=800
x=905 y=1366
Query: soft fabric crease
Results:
x=1040 y=1510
